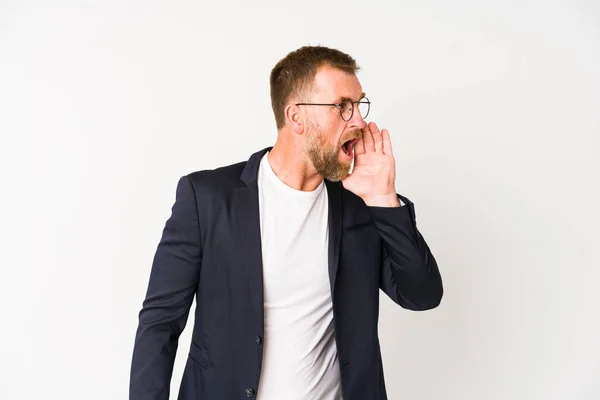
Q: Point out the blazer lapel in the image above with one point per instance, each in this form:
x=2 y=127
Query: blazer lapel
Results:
x=249 y=219
x=334 y=194
x=247 y=205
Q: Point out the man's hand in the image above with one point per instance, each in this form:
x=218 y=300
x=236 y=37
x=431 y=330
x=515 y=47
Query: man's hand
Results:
x=374 y=174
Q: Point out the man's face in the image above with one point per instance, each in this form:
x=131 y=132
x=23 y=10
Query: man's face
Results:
x=329 y=139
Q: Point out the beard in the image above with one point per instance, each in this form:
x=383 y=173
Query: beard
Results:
x=325 y=157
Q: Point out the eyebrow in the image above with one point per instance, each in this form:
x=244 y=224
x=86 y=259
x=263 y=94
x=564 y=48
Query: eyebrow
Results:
x=362 y=96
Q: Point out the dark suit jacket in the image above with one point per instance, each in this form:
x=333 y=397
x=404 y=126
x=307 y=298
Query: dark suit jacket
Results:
x=211 y=250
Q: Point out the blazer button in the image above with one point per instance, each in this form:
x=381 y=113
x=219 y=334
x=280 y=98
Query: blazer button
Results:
x=249 y=392
x=258 y=340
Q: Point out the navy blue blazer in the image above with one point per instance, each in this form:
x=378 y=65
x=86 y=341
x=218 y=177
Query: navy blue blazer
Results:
x=210 y=250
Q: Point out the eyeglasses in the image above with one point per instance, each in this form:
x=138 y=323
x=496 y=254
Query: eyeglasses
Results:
x=346 y=107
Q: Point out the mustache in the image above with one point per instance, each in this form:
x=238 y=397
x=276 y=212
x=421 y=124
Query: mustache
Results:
x=356 y=134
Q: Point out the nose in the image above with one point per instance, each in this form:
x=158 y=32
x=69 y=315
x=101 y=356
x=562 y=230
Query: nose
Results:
x=357 y=120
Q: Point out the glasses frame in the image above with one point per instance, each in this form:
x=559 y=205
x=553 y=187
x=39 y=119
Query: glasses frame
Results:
x=364 y=100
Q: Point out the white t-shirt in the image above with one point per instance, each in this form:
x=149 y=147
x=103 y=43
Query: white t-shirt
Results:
x=299 y=355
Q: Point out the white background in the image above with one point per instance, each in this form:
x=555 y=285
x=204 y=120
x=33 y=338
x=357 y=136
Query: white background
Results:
x=494 y=114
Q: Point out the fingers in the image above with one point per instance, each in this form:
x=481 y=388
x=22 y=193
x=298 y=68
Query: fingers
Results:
x=387 y=143
x=377 y=137
x=368 y=138
x=374 y=140
x=359 y=146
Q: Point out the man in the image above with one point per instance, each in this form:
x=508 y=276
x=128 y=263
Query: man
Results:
x=285 y=255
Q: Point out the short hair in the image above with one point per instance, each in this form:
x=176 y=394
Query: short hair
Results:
x=294 y=74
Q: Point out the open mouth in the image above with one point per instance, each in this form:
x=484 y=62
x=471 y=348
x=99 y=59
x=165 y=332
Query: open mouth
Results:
x=348 y=147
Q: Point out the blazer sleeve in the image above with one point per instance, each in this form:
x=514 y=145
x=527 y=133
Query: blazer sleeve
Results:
x=171 y=288
x=409 y=274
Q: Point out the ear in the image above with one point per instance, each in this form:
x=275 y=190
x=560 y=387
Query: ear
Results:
x=294 y=118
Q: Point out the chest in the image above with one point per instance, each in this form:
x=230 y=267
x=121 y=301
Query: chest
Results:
x=294 y=244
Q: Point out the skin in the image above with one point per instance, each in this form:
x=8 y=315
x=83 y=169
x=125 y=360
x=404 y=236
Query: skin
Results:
x=308 y=148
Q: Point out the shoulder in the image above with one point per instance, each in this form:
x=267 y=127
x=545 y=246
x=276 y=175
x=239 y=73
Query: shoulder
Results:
x=218 y=179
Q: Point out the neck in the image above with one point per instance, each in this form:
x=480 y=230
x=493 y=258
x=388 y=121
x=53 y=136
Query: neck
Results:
x=291 y=165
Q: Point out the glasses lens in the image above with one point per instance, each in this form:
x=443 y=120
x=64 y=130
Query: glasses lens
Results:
x=346 y=110
x=364 y=106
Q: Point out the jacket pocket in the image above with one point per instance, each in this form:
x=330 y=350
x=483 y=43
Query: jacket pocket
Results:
x=199 y=355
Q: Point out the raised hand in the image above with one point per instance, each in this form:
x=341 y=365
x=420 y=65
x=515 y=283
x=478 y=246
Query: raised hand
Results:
x=374 y=173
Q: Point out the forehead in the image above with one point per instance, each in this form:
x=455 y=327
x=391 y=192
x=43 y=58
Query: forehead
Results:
x=332 y=85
